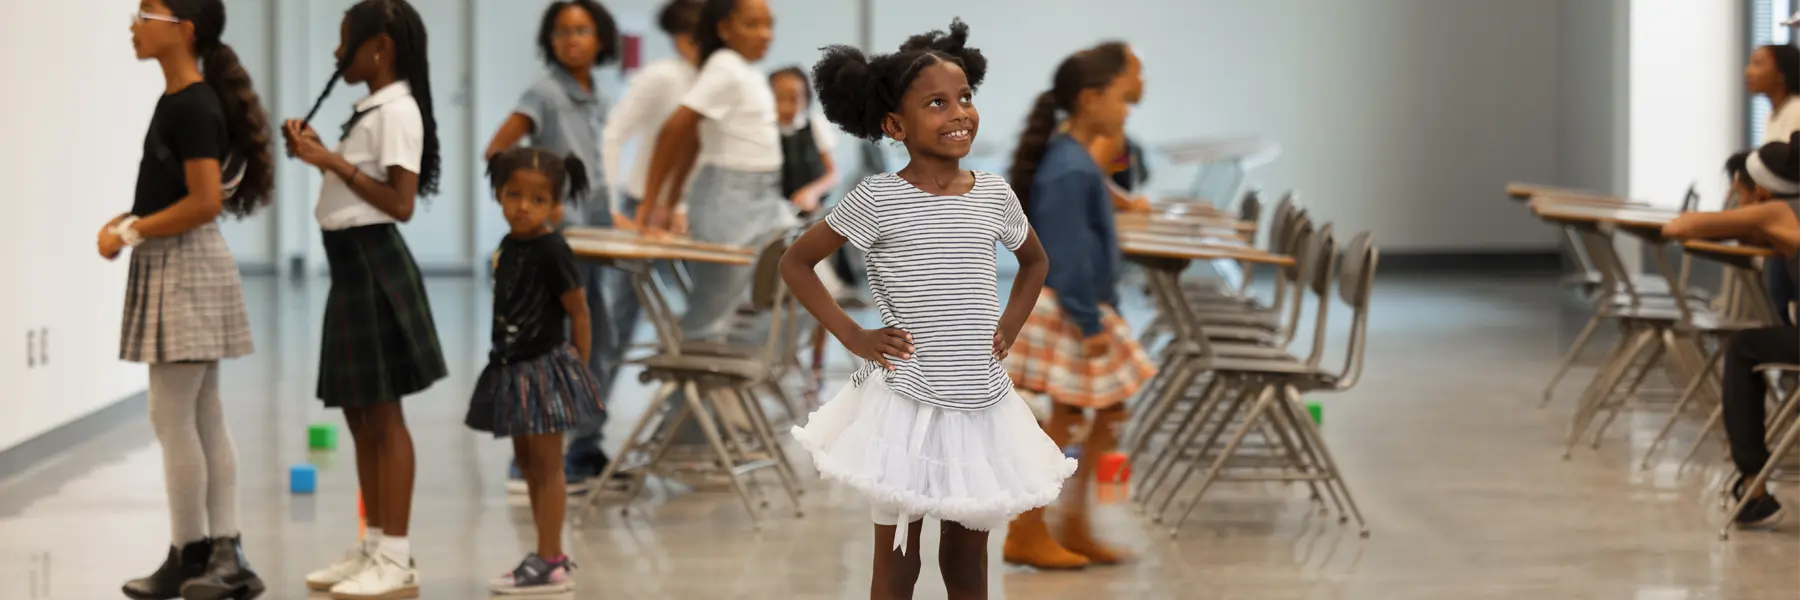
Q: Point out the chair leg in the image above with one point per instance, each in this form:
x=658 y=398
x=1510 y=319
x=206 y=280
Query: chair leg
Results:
x=1152 y=420
x=1598 y=392
x=711 y=428
x=1713 y=362
x=759 y=419
x=1569 y=358
x=1189 y=425
x=1331 y=466
x=1706 y=431
x=1233 y=403
x=1293 y=419
x=1218 y=465
x=1629 y=399
x=632 y=443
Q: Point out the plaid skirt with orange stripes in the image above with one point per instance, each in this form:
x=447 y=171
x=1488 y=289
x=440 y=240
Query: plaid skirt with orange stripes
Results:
x=1047 y=359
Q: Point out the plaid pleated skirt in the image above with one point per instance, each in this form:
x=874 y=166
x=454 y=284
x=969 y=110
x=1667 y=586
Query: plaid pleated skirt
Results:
x=549 y=394
x=1047 y=359
x=184 y=301
x=380 y=343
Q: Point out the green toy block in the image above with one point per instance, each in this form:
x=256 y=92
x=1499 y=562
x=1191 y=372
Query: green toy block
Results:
x=1317 y=411
x=321 y=436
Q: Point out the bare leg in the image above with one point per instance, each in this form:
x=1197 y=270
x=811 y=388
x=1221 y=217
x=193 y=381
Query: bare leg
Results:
x=549 y=488
x=368 y=464
x=396 y=456
x=895 y=574
x=962 y=556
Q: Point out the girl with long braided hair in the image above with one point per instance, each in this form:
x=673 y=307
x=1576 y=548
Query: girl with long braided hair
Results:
x=380 y=343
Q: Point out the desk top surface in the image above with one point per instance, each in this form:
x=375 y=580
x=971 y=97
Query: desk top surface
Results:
x=603 y=248
x=1529 y=191
x=1729 y=249
x=1126 y=219
x=1579 y=212
x=1192 y=250
x=669 y=241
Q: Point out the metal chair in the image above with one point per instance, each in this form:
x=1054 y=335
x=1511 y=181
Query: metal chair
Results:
x=706 y=381
x=1298 y=450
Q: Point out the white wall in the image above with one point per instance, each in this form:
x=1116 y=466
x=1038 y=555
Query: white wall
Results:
x=1593 y=104
x=1399 y=116
x=1686 y=96
x=78 y=170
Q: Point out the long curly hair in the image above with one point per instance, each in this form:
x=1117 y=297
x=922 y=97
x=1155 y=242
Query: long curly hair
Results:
x=400 y=22
x=247 y=131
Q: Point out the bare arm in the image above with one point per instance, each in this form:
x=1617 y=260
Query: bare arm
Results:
x=395 y=197
x=516 y=127
x=581 y=332
x=202 y=204
x=797 y=271
x=818 y=187
x=1772 y=221
x=677 y=146
x=1033 y=266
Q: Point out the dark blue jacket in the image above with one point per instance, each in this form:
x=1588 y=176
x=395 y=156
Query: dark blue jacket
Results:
x=1072 y=213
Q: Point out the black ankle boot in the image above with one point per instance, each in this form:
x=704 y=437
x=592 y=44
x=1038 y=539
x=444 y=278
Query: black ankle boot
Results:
x=227 y=575
x=180 y=566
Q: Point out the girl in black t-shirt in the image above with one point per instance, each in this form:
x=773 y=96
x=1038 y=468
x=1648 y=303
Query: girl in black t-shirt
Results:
x=537 y=384
x=206 y=154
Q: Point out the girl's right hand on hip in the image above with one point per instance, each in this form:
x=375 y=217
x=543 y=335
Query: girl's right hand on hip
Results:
x=877 y=345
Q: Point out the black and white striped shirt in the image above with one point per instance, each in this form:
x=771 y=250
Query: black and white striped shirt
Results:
x=931 y=267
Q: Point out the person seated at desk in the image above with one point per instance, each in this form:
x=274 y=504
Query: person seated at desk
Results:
x=1768 y=180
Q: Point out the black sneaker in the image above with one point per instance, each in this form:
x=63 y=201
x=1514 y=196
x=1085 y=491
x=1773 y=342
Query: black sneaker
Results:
x=1761 y=511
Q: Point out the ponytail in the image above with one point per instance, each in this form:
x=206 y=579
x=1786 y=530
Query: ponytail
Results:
x=1039 y=126
x=247 y=130
x=578 y=179
x=1094 y=68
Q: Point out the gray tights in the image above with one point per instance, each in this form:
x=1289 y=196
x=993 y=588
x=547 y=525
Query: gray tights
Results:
x=199 y=460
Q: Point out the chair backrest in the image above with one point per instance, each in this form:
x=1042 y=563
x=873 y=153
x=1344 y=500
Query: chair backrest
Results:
x=1356 y=281
x=767 y=285
x=1291 y=285
x=1320 y=256
x=1250 y=208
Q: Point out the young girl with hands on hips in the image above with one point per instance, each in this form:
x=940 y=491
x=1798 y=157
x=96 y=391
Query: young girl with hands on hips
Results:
x=930 y=425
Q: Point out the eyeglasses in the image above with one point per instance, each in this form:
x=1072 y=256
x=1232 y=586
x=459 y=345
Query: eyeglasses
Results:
x=578 y=32
x=138 y=17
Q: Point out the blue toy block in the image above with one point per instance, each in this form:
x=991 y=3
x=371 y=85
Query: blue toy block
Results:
x=303 y=479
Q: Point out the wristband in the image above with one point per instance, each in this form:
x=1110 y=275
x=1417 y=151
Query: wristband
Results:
x=130 y=236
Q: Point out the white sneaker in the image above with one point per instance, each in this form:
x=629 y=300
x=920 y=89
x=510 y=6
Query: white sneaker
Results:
x=354 y=561
x=384 y=579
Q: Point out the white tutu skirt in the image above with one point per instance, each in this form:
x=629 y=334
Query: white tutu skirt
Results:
x=977 y=468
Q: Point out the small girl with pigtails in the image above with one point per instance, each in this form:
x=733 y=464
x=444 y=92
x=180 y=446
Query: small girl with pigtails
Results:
x=537 y=384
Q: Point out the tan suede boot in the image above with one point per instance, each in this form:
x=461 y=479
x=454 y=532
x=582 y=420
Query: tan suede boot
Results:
x=1028 y=543
x=1028 y=540
x=1077 y=533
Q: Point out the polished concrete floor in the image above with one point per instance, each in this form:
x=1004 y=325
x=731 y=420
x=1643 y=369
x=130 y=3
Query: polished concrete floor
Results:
x=1457 y=471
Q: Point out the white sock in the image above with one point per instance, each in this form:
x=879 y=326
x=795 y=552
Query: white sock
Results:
x=396 y=548
x=371 y=540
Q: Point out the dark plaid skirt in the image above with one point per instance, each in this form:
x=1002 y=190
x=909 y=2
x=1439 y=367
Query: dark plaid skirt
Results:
x=552 y=393
x=184 y=301
x=380 y=343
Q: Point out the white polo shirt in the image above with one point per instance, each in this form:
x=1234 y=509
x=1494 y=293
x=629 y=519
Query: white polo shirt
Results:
x=391 y=132
x=739 y=132
x=653 y=94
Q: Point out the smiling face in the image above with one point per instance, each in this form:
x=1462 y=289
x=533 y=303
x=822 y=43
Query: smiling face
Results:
x=749 y=29
x=937 y=115
x=529 y=202
x=155 y=32
x=576 y=38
